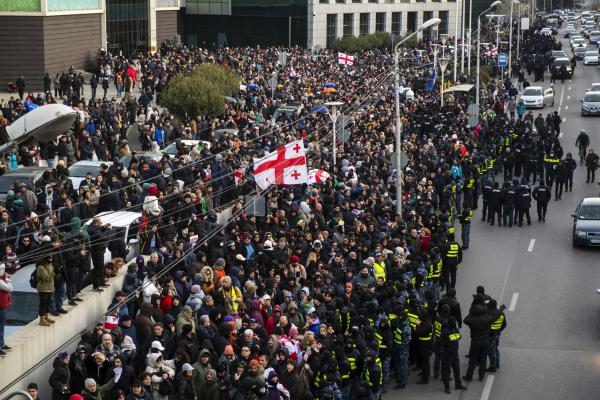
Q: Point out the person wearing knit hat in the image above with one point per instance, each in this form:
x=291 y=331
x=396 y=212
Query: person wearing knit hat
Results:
x=89 y=382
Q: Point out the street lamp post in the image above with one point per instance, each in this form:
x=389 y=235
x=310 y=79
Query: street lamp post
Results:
x=443 y=65
x=510 y=33
x=427 y=24
x=493 y=5
x=456 y=41
x=334 y=116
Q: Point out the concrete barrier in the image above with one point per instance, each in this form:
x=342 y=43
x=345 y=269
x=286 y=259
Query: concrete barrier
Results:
x=34 y=347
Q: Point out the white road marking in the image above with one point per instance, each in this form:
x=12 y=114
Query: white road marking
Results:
x=560 y=135
x=513 y=302
x=564 y=119
x=568 y=97
x=531 y=244
x=562 y=95
x=487 y=388
x=566 y=108
x=570 y=81
x=569 y=87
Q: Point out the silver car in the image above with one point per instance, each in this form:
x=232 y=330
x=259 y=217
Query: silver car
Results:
x=590 y=105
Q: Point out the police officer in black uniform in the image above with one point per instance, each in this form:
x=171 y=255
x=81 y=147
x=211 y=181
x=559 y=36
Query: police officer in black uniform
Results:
x=495 y=204
x=542 y=195
x=570 y=166
x=524 y=202
x=486 y=189
x=448 y=342
x=508 y=204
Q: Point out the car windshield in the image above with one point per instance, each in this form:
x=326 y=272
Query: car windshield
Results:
x=592 y=98
x=560 y=63
x=81 y=170
x=589 y=213
x=591 y=53
x=7 y=182
x=532 y=92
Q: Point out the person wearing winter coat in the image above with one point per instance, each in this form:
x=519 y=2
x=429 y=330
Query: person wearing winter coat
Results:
x=275 y=390
x=201 y=368
x=184 y=385
x=160 y=372
x=78 y=368
x=144 y=323
x=93 y=392
x=60 y=379
x=292 y=381
x=45 y=288
x=138 y=392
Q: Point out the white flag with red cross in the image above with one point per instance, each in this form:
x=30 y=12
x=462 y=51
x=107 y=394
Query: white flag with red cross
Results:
x=345 y=59
x=317 y=176
x=284 y=166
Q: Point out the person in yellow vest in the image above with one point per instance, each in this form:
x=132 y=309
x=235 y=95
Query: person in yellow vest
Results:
x=231 y=294
x=379 y=266
x=496 y=328
x=452 y=256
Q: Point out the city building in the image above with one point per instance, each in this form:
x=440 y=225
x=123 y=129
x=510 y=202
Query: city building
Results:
x=309 y=23
x=39 y=36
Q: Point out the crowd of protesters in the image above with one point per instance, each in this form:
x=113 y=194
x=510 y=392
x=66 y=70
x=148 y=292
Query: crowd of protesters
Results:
x=332 y=293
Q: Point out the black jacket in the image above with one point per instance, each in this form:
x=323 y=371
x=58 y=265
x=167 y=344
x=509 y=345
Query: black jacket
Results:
x=185 y=389
x=60 y=380
x=479 y=323
x=542 y=194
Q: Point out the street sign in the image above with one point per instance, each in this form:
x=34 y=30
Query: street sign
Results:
x=524 y=24
x=342 y=134
x=503 y=60
x=473 y=117
x=272 y=82
x=403 y=158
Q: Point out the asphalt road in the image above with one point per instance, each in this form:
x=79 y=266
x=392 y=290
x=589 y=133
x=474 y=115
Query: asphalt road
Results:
x=551 y=349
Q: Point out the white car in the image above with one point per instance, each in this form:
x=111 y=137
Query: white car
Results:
x=125 y=224
x=546 y=31
x=78 y=171
x=594 y=88
x=579 y=42
x=537 y=97
x=569 y=30
x=591 y=57
x=594 y=37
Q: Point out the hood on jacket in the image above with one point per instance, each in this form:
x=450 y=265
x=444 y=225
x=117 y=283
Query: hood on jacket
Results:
x=276 y=307
x=151 y=359
x=75 y=224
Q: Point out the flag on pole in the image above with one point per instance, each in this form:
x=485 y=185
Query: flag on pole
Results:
x=431 y=82
x=240 y=174
x=345 y=59
x=284 y=166
x=317 y=176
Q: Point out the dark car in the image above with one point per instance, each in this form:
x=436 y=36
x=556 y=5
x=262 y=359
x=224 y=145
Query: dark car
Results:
x=31 y=176
x=586 y=223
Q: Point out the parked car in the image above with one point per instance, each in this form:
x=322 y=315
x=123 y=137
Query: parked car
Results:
x=78 y=171
x=586 y=223
x=25 y=301
x=580 y=52
x=31 y=176
x=172 y=151
x=594 y=88
x=125 y=224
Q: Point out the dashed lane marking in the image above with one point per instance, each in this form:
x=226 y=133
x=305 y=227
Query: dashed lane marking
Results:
x=531 y=244
x=560 y=135
x=568 y=97
x=513 y=302
x=566 y=107
x=487 y=388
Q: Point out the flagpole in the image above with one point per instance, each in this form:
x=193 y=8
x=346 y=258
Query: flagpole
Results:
x=333 y=115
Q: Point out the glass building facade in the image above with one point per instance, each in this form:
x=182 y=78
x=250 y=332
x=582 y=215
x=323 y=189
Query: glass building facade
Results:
x=246 y=22
x=127 y=25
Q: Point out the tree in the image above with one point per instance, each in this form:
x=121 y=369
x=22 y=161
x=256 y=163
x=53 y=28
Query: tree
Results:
x=201 y=92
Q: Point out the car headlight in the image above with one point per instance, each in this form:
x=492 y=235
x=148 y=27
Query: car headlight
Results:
x=581 y=233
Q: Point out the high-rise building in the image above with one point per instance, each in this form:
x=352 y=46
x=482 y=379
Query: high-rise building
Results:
x=39 y=36
x=309 y=23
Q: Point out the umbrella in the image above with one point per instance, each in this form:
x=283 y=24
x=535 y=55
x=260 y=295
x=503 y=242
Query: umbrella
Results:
x=329 y=90
x=252 y=86
x=230 y=99
x=330 y=85
x=318 y=108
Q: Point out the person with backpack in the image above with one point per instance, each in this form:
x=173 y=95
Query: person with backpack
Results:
x=42 y=278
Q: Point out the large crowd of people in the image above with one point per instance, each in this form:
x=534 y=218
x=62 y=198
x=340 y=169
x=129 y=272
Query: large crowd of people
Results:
x=331 y=293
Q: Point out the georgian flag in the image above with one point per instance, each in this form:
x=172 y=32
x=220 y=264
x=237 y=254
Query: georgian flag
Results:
x=284 y=166
x=317 y=176
x=345 y=59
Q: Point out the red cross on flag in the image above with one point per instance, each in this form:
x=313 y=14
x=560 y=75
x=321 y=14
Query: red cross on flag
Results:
x=284 y=166
x=317 y=176
x=345 y=59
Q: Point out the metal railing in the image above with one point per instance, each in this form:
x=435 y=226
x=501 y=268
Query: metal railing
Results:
x=18 y=393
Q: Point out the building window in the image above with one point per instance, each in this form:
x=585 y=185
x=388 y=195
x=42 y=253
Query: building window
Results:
x=443 y=26
x=396 y=23
x=380 y=22
x=331 y=28
x=364 y=23
x=357 y=1
x=340 y=1
x=323 y=1
x=411 y=23
x=348 y=24
x=427 y=15
x=390 y=1
x=373 y=1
